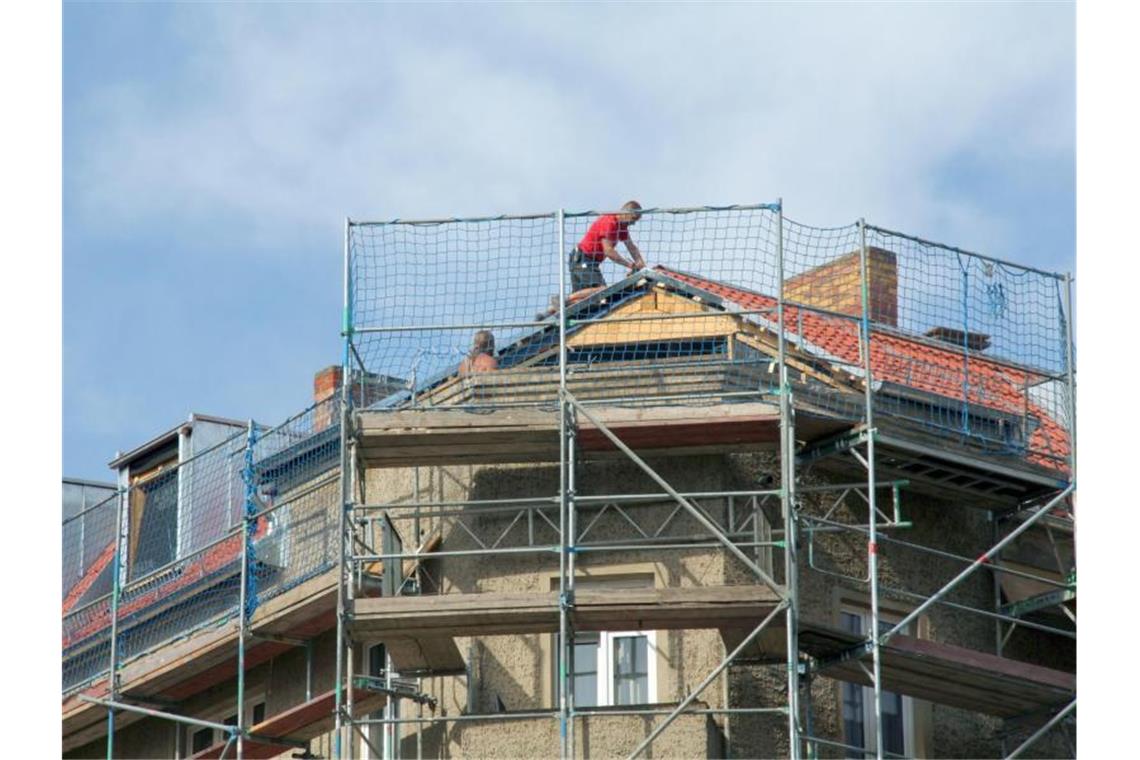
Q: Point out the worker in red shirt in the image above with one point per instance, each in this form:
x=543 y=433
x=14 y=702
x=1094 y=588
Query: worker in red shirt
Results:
x=598 y=244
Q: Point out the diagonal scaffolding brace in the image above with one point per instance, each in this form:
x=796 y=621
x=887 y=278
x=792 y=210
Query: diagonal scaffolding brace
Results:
x=728 y=660
x=697 y=514
x=1042 y=731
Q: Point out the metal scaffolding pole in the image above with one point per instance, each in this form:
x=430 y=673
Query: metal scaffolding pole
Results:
x=249 y=521
x=116 y=587
x=350 y=595
x=696 y=513
x=1070 y=371
x=1042 y=731
x=565 y=694
x=568 y=545
x=788 y=505
x=729 y=658
x=570 y=534
x=157 y=713
x=345 y=496
x=872 y=520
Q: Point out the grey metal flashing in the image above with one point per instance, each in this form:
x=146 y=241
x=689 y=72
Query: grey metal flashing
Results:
x=167 y=437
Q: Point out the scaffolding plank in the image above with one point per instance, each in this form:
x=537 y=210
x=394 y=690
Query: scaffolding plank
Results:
x=204 y=658
x=300 y=723
x=946 y=673
x=433 y=437
x=490 y=614
x=681 y=375
x=426 y=656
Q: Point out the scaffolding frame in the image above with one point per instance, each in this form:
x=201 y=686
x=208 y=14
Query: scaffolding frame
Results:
x=792 y=460
x=733 y=538
x=252 y=514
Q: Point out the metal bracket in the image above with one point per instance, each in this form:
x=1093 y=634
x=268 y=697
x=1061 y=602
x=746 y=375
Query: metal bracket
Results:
x=395 y=688
x=835 y=445
x=276 y=638
x=854 y=653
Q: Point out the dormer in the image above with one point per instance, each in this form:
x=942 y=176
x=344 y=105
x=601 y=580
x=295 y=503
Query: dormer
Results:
x=179 y=500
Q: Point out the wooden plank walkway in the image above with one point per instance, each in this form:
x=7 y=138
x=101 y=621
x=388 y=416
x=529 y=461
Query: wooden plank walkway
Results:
x=437 y=437
x=947 y=674
x=490 y=614
x=300 y=723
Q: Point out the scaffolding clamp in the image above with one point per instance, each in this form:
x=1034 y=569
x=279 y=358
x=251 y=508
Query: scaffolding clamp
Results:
x=835 y=445
x=395 y=688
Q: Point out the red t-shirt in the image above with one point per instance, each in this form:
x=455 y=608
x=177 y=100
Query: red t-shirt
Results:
x=607 y=227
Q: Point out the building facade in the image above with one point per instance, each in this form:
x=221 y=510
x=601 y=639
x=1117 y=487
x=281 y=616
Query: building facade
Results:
x=685 y=516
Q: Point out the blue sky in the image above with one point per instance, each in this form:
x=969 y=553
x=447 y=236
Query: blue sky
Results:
x=212 y=152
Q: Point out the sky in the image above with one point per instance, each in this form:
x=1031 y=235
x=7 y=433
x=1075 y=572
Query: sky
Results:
x=211 y=153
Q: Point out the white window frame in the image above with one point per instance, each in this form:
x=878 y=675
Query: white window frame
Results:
x=868 y=692
x=605 y=664
x=386 y=738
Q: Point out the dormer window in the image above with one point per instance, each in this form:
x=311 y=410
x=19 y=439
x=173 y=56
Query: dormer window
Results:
x=153 y=508
x=184 y=492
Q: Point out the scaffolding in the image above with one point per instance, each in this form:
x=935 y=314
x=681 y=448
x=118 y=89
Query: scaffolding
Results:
x=1003 y=392
x=879 y=368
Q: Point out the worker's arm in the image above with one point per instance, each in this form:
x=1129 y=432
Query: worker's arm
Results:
x=638 y=259
x=612 y=254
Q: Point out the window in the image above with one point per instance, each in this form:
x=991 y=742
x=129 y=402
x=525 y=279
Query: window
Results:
x=153 y=505
x=613 y=668
x=859 y=703
x=383 y=737
x=198 y=739
x=184 y=495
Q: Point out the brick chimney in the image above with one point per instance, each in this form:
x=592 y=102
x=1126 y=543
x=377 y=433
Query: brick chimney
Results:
x=325 y=384
x=836 y=286
x=328 y=381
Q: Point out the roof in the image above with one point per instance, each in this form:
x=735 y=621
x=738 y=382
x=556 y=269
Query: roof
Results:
x=915 y=363
x=216 y=564
x=543 y=337
x=899 y=360
x=170 y=435
x=299 y=461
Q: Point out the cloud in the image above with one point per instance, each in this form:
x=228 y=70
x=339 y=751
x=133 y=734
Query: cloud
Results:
x=239 y=137
x=302 y=115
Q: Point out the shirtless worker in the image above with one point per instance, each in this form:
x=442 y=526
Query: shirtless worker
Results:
x=597 y=245
x=481 y=358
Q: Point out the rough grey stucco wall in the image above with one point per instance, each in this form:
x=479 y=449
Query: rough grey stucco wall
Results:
x=516 y=669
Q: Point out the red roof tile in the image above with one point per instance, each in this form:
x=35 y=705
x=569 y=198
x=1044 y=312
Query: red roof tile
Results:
x=916 y=364
x=88 y=579
x=208 y=563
